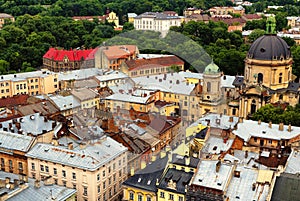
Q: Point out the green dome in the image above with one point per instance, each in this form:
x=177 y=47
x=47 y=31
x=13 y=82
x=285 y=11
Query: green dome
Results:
x=211 y=68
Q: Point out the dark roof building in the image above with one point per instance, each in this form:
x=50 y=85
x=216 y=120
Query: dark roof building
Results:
x=269 y=47
x=286 y=188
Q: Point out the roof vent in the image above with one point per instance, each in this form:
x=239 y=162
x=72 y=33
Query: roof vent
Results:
x=15 y=75
x=139 y=180
x=46 y=149
x=32 y=117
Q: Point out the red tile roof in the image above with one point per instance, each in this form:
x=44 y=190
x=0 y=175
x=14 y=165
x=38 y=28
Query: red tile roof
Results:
x=153 y=62
x=252 y=17
x=73 y=55
x=14 y=101
x=231 y=21
x=120 y=51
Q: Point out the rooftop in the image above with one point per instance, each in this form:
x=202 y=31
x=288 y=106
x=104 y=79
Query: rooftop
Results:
x=119 y=51
x=28 y=191
x=112 y=75
x=292 y=164
x=170 y=82
x=84 y=94
x=90 y=157
x=79 y=74
x=24 y=76
x=65 y=102
x=286 y=187
x=33 y=124
x=72 y=55
x=249 y=128
x=44 y=107
x=12 y=141
x=207 y=176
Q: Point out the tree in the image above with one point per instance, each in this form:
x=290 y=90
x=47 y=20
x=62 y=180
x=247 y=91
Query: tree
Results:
x=255 y=34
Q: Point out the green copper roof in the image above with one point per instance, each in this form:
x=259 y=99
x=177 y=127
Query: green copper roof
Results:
x=211 y=68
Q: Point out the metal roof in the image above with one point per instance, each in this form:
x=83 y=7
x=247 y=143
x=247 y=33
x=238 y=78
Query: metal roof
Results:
x=12 y=141
x=89 y=158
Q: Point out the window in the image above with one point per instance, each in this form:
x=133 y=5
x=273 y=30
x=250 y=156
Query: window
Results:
x=10 y=164
x=63 y=173
x=180 y=198
x=47 y=168
x=140 y=197
x=64 y=183
x=110 y=192
x=103 y=173
x=270 y=141
x=280 y=78
x=104 y=185
x=114 y=167
x=255 y=139
x=20 y=164
x=99 y=189
x=162 y=194
x=32 y=166
x=109 y=181
x=85 y=191
x=148 y=198
x=55 y=181
x=54 y=171
x=171 y=197
x=120 y=162
x=42 y=168
x=131 y=196
x=73 y=175
x=114 y=177
x=74 y=186
x=109 y=169
x=208 y=87
x=98 y=177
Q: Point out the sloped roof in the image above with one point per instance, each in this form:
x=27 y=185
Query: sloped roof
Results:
x=286 y=188
x=72 y=55
x=119 y=51
x=153 y=62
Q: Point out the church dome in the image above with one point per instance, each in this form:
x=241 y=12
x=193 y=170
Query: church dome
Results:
x=211 y=68
x=269 y=47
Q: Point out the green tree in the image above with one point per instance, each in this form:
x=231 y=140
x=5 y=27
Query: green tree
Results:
x=255 y=34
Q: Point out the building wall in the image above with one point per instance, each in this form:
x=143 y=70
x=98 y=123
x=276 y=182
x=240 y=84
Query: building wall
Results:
x=13 y=161
x=33 y=86
x=271 y=72
x=102 y=184
x=154 y=24
x=127 y=190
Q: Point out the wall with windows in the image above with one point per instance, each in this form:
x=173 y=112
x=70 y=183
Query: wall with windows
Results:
x=102 y=184
x=134 y=194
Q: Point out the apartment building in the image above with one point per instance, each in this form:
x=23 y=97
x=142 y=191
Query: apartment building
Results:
x=31 y=83
x=96 y=169
x=156 y=21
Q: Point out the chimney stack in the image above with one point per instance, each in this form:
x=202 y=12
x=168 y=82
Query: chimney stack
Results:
x=82 y=145
x=230 y=119
x=37 y=184
x=281 y=126
x=54 y=142
x=241 y=119
x=270 y=124
x=7 y=180
x=259 y=122
x=70 y=145
x=218 y=166
x=187 y=161
x=290 y=127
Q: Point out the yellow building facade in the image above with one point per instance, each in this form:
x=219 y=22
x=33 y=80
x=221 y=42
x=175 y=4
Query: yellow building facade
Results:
x=32 y=83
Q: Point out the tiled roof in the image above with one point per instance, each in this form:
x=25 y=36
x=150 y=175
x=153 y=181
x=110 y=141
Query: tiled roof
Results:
x=44 y=107
x=153 y=62
x=119 y=51
x=231 y=21
x=251 y=16
x=73 y=55
x=163 y=123
x=12 y=101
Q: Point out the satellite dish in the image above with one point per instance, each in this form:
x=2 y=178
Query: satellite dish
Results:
x=7 y=185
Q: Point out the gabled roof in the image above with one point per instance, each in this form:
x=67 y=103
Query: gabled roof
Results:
x=72 y=55
x=153 y=62
x=146 y=178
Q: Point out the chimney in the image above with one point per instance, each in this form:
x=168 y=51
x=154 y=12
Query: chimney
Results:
x=218 y=166
x=241 y=120
x=54 y=142
x=82 y=145
x=53 y=125
x=23 y=177
x=48 y=181
x=187 y=161
x=143 y=164
x=132 y=171
x=290 y=128
x=45 y=119
x=218 y=121
x=4 y=196
x=0 y=125
x=230 y=119
x=246 y=154
x=7 y=180
x=70 y=145
x=16 y=183
x=37 y=184
x=259 y=122
x=18 y=125
x=280 y=126
x=270 y=124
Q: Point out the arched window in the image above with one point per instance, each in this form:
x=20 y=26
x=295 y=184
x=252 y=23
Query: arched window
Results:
x=253 y=106
x=208 y=87
x=260 y=78
x=280 y=78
